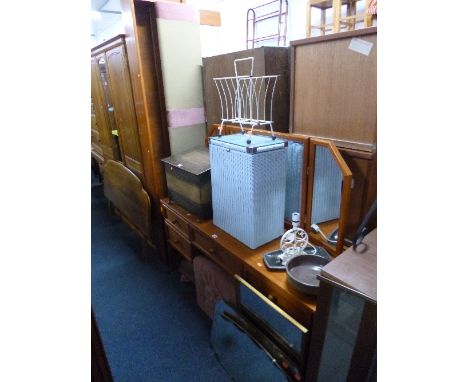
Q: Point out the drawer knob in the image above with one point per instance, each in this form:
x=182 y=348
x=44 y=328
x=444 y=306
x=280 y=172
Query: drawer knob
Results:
x=271 y=297
x=175 y=222
x=211 y=250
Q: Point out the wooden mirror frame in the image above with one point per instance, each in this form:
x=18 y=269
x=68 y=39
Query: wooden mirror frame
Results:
x=307 y=182
x=345 y=196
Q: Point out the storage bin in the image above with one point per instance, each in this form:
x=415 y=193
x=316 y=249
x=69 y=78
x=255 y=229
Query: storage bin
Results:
x=249 y=186
x=188 y=181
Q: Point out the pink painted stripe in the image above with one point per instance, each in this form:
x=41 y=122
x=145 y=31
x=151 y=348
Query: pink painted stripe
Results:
x=177 y=12
x=185 y=117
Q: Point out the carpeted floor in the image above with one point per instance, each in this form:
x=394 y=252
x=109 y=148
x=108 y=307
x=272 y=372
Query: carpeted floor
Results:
x=150 y=324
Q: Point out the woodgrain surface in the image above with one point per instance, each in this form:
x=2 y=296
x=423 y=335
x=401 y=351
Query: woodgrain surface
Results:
x=236 y=258
x=125 y=190
x=357 y=269
x=148 y=92
x=334 y=89
x=101 y=116
x=121 y=92
x=268 y=61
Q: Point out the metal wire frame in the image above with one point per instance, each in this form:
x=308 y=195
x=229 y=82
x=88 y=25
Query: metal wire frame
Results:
x=254 y=16
x=245 y=99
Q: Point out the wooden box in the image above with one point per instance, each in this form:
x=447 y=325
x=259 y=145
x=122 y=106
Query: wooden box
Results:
x=188 y=179
x=267 y=61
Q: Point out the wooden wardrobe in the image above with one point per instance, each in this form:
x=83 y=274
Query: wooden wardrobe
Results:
x=115 y=135
x=128 y=113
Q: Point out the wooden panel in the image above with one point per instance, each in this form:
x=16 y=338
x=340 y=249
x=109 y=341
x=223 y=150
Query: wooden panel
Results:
x=216 y=253
x=124 y=189
x=179 y=241
x=268 y=61
x=178 y=221
x=357 y=269
x=100 y=109
x=95 y=140
x=122 y=98
x=364 y=190
x=139 y=21
x=334 y=89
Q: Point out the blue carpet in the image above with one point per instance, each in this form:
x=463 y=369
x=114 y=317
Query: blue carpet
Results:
x=151 y=326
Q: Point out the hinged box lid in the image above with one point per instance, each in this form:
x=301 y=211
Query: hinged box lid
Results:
x=196 y=160
x=249 y=143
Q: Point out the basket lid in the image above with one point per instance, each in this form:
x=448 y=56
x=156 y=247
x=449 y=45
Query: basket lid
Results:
x=195 y=160
x=249 y=143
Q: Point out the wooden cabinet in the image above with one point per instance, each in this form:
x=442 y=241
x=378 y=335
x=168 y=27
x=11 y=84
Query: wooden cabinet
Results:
x=115 y=111
x=334 y=88
x=343 y=345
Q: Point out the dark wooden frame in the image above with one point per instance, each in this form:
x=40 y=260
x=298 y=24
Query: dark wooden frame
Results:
x=128 y=198
x=363 y=352
x=139 y=20
x=100 y=370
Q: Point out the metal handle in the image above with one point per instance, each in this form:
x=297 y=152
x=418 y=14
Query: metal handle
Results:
x=244 y=59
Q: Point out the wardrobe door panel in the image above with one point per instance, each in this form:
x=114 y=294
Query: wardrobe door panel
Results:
x=121 y=92
x=100 y=109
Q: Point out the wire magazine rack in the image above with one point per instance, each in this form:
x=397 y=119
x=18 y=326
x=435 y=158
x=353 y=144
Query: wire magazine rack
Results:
x=245 y=99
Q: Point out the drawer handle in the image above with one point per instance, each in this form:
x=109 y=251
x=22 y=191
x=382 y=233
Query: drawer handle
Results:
x=271 y=297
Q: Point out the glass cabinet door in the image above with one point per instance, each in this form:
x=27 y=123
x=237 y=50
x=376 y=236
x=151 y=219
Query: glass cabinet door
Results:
x=343 y=347
x=110 y=107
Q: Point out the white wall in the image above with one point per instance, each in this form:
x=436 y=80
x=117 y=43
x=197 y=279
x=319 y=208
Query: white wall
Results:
x=231 y=36
x=111 y=29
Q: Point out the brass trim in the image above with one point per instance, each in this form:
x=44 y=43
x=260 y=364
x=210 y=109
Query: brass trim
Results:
x=274 y=306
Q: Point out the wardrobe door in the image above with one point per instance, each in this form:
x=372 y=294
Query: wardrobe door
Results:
x=122 y=97
x=101 y=113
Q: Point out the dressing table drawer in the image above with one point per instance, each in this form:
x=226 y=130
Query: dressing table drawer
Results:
x=177 y=221
x=290 y=304
x=178 y=240
x=217 y=253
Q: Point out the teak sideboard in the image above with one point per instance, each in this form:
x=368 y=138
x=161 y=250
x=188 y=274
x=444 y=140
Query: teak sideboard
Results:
x=190 y=236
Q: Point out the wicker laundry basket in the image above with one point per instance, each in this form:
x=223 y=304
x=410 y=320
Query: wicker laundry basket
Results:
x=248 y=180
